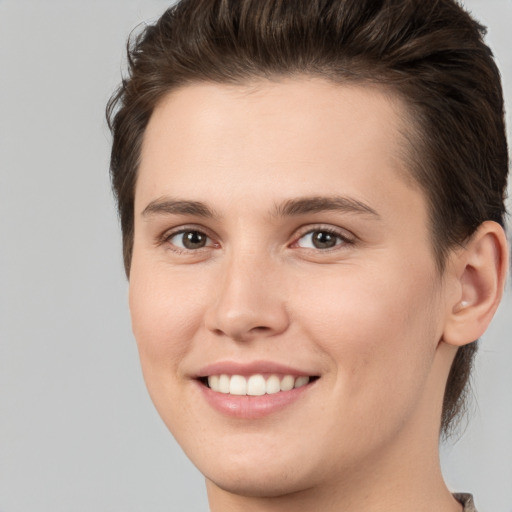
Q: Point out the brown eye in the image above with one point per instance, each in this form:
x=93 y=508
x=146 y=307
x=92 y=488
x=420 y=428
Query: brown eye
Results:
x=324 y=240
x=320 y=239
x=189 y=240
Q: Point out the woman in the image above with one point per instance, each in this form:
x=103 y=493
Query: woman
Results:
x=311 y=197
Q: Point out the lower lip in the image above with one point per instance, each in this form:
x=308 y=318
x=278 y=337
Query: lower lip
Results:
x=252 y=407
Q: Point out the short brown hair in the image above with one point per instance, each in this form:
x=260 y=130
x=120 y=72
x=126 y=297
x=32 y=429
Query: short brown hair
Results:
x=430 y=53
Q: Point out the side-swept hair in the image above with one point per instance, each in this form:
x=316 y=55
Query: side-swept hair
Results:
x=431 y=54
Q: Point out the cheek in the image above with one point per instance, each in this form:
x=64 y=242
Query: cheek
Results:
x=380 y=331
x=165 y=315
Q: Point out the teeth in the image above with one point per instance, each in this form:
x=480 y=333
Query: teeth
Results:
x=287 y=383
x=213 y=382
x=223 y=383
x=273 y=385
x=238 y=385
x=301 y=381
x=255 y=385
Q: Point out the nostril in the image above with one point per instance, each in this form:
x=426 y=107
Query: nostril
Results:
x=242 y=322
x=240 y=336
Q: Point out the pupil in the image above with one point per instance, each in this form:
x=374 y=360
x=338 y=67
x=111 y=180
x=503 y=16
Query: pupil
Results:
x=193 y=240
x=323 y=240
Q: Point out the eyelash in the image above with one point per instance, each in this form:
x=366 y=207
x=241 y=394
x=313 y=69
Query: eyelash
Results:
x=342 y=239
x=168 y=236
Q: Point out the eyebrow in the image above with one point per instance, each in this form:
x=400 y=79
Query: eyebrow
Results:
x=169 y=206
x=289 y=208
x=316 y=204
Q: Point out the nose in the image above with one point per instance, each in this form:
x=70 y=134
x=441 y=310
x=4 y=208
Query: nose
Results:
x=250 y=301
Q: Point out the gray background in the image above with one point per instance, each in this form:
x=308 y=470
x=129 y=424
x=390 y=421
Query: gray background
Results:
x=77 y=429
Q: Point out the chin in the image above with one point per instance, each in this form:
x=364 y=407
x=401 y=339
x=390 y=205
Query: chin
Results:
x=259 y=484
x=256 y=464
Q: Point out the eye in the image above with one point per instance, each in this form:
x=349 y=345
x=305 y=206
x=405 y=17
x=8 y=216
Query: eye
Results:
x=189 y=239
x=320 y=239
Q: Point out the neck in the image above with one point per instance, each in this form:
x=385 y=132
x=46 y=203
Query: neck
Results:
x=415 y=484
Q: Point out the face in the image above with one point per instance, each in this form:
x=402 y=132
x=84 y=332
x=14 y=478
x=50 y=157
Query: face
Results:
x=283 y=290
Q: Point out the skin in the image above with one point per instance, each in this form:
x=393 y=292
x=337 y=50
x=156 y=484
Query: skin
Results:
x=369 y=316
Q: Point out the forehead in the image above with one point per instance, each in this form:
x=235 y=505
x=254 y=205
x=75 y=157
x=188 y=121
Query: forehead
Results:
x=290 y=137
x=274 y=111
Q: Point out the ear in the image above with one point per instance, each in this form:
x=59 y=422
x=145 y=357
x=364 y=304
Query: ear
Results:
x=479 y=271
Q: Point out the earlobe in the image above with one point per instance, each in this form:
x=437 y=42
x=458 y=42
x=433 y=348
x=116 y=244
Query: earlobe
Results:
x=480 y=269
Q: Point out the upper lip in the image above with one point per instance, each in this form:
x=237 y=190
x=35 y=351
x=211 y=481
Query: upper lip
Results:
x=250 y=368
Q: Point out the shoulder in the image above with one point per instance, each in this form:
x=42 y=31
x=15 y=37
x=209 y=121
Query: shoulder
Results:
x=466 y=500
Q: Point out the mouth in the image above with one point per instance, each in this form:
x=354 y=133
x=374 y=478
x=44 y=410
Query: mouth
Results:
x=256 y=384
x=253 y=390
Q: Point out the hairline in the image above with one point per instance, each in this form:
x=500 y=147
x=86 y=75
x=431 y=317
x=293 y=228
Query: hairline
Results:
x=409 y=130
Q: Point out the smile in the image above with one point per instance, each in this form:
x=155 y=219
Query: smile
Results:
x=254 y=385
x=253 y=390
